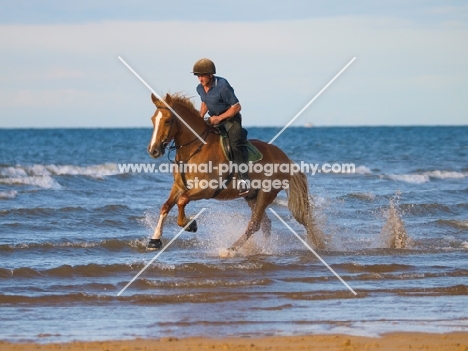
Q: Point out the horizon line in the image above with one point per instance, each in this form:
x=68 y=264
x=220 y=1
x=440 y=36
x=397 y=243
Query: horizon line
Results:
x=255 y=126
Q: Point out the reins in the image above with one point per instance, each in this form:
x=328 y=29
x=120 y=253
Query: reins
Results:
x=173 y=147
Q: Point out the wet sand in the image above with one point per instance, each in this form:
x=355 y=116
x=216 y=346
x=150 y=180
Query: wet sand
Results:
x=387 y=342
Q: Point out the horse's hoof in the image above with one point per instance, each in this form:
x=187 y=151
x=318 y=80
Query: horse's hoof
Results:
x=227 y=253
x=192 y=227
x=154 y=244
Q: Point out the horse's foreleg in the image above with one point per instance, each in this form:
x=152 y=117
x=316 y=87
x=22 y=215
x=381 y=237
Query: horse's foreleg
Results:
x=162 y=218
x=182 y=220
x=155 y=241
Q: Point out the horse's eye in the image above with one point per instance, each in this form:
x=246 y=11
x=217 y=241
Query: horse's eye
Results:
x=167 y=123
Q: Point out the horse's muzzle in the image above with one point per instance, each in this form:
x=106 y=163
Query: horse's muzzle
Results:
x=157 y=151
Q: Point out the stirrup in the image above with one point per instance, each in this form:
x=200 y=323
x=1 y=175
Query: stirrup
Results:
x=243 y=186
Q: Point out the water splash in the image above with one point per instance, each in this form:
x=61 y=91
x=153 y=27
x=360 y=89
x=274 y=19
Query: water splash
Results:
x=393 y=233
x=316 y=232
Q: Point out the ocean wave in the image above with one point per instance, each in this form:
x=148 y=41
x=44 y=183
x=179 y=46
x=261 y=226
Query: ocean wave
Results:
x=362 y=196
x=373 y=268
x=42 y=175
x=161 y=269
x=446 y=174
x=45 y=182
x=177 y=297
x=80 y=297
x=69 y=271
x=6 y=195
x=95 y=171
x=362 y=170
x=460 y=289
x=424 y=177
x=109 y=244
x=454 y=290
x=458 y=224
x=54 y=299
x=409 y=178
x=200 y=283
x=174 y=298
x=41 y=211
x=424 y=209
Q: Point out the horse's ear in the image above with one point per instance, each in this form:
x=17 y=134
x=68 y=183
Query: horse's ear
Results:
x=168 y=99
x=154 y=99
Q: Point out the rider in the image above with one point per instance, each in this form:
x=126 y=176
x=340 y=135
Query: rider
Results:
x=219 y=100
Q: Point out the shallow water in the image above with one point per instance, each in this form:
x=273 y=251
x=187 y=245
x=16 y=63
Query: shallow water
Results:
x=74 y=230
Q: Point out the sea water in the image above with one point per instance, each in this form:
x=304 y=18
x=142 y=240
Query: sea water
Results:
x=74 y=230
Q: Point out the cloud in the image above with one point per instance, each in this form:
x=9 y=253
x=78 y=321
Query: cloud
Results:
x=276 y=67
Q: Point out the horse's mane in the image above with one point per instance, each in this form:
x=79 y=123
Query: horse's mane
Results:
x=184 y=100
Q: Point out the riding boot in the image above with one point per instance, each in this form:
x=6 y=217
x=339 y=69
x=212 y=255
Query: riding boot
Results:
x=238 y=139
x=243 y=184
x=244 y=180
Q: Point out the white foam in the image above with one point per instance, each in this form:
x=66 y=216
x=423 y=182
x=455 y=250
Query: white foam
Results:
x=8 y=194
x=445 y=174
x=12 y=172
x=42 y=175
x=36 y=170
x=35 y=175
x=96 y=171
x=45 y=182
x=362 y=170
x=426 y=176
x=410 y=178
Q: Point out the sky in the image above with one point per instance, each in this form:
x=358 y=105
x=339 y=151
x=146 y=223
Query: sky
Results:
x=59 y=63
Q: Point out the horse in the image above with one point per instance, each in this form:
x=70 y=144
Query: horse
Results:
x=191 y=152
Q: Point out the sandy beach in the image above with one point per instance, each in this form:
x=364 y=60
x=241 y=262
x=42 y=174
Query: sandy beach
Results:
x=387 y=342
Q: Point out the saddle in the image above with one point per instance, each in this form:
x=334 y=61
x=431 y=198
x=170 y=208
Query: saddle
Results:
x=254 y=154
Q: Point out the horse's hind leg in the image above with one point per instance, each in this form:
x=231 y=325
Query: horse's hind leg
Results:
x=263 y=200
x=265 y=224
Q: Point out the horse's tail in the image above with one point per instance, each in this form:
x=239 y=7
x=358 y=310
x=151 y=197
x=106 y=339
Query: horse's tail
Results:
x=301 y=205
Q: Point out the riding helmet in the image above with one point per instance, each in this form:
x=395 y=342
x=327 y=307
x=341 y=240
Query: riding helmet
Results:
x=204 y=66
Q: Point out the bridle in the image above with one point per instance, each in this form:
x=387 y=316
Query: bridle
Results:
x=173 y=146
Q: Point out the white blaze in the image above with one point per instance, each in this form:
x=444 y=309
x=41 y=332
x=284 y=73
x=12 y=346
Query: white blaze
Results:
x=156 y=127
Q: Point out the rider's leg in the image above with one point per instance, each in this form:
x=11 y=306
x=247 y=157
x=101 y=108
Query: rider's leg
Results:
x=238 y=138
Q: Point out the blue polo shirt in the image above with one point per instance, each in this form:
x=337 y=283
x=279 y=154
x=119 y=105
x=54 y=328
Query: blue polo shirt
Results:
x=219 y=98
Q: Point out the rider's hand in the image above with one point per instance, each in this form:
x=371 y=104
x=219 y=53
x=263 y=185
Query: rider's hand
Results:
x=214 y=120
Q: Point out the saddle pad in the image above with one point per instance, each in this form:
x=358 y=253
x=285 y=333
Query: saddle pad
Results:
x=254 y=154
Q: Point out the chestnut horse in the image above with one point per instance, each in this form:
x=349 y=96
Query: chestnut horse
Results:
x=191 y=151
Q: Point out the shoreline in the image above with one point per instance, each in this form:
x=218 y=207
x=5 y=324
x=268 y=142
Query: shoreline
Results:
x=386 y=342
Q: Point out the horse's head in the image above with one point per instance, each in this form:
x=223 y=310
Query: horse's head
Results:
x=163 y=126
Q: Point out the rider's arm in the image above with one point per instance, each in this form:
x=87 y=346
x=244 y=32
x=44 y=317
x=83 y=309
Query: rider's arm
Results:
x=231 y=111
x=203 y=109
